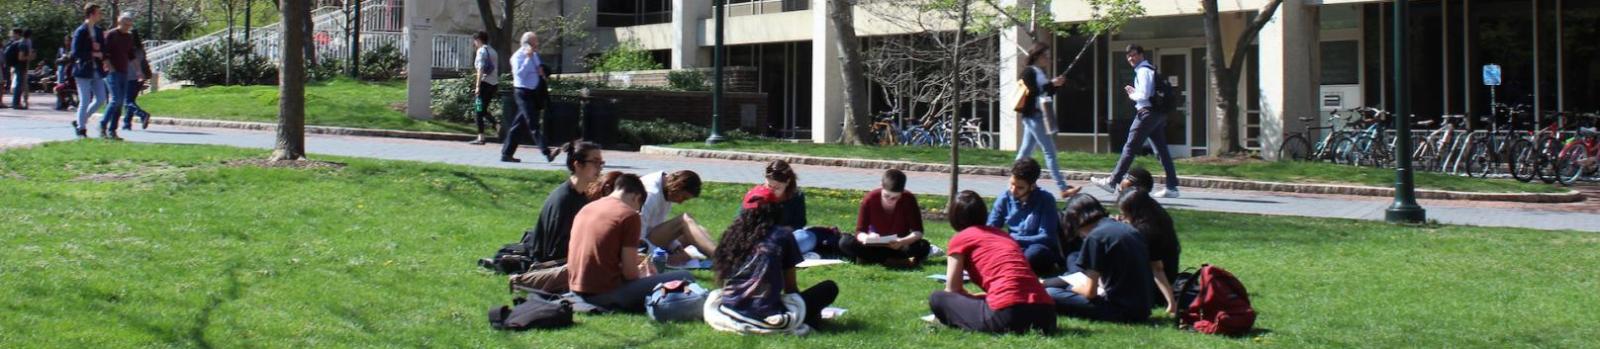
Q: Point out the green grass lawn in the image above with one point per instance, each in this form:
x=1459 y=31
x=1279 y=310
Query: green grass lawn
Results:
x=129 y=245
x=344 y=103
x=1285 y=172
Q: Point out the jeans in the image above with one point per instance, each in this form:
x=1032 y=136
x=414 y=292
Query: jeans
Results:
x=806 y=239
x=132 y=107
x=1075 y=305
x=119 y=99
x=20 y=87
x=1043 y=259
x=974 y=314
x=1034 y=134
x=630 y=296
x=1151 y=126
x=91 y=97
x=527 y=119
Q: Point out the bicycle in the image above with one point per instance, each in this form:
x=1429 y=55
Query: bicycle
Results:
x=1358 y=147
x=1297 y=148
x=1579 y=155
x=1430 y=152
x=1535 y=158
x=1495 y=148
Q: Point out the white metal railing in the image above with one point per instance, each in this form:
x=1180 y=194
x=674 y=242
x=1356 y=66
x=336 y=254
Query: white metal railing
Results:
x=381 y=24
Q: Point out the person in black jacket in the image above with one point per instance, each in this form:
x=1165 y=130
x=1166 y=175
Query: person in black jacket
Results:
x=547 y=241
x=1035 y=133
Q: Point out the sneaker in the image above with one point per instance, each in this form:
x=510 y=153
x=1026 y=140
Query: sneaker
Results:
x=932 y=319
x=144 y=122
x=694 y=252
x=935 y=252
x=551 y=155
x=1104 y=183
x=509 y=159
x=478 y=141
x=811 y=256
x=1165 y=193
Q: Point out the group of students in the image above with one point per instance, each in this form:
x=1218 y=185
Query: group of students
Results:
x=606 y=237
x=107 y=61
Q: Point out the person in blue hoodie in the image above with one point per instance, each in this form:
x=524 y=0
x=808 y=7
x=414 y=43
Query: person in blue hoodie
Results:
x=1028 y=213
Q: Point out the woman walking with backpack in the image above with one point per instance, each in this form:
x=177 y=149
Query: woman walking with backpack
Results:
x=1034 y=131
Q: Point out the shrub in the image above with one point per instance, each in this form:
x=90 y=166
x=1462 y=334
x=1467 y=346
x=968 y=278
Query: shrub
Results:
x=325 y=69
x=382 y=63
x=453 y=99
x=641 y=133
x=626 y=56
x=205 y=66
x=687 y=80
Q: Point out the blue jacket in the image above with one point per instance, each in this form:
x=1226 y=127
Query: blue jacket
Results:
x=1030 y=221
x=83 y=40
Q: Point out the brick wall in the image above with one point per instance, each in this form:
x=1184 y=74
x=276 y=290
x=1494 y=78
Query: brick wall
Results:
x=740 y=110
x=739 y=79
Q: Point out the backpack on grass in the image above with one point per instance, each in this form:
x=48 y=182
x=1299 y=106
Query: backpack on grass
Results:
x=539 y=310
x=1220 y=304
x=676 y=300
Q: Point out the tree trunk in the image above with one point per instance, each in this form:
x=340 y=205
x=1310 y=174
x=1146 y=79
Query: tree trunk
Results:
x=955 y=113
x=854 y=89
x=248 y=8
x=291 y=143
x=1224 y=86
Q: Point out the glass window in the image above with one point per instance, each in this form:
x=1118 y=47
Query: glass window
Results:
x=1163 y=28
x=1341 y=63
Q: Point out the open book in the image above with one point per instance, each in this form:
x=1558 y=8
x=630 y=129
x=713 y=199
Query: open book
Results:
x=1080 y=279
x=875 y=239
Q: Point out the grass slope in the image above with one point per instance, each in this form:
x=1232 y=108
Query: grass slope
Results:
x=342 y=102
x=130 y=245
x=1285 y=172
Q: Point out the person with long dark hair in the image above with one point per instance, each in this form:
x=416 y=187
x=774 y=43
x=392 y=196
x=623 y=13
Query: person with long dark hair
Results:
x=1141 y=210
x=1014 y=301
x=1035 y=132
x=1115 y=264
x=755 y=266
x=782 y=188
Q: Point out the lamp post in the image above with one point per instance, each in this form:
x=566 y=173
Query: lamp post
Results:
x=1405 y=208
x=716 y=88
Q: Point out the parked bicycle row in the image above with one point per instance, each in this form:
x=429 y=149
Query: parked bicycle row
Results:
x=1563 y=149
x=890 y=128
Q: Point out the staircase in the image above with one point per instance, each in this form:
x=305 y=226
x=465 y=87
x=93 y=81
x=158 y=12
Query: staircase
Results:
x=381 y=25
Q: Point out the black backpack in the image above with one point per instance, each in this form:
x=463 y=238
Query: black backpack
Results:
x=1185 y=288
x=539 y=310
x=1162 y=100
x=513 y=258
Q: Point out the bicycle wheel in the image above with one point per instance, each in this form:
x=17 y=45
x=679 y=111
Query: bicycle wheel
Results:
x=1424 y=157
x=1372 y=154
x=1478 y=162
x=1548 y=150
x=1344 y=152
x=1294 y=148
x=1524 y=161
x=1569 y=167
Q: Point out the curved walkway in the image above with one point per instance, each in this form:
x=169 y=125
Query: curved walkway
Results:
x=19 y=127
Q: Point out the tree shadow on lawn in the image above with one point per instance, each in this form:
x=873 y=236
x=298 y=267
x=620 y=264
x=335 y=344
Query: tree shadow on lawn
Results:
x=107 y=302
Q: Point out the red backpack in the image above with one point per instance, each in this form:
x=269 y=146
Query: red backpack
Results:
x=1221 y=305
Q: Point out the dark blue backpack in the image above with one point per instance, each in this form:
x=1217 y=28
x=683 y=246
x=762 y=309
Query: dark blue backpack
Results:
x=1162 y=98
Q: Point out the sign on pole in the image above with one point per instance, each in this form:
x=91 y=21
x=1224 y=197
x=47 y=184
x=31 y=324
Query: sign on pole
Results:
x=1491 y=75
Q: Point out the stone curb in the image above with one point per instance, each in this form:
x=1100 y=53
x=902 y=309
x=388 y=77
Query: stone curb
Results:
x=322 y=130
x=1187 y=181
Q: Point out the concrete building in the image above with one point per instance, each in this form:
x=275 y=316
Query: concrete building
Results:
x=1314 y=56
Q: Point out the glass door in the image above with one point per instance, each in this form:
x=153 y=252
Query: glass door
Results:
x=1174 y=69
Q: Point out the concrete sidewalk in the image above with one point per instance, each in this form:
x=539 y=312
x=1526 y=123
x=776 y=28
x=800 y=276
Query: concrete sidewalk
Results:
x=46 y=125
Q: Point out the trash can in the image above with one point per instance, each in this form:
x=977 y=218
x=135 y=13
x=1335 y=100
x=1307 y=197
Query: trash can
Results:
x=600 y=122
x=508 y=110
x=561 y=120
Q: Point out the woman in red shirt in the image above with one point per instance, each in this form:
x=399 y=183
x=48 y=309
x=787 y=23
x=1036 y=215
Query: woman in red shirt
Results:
x=888 y=227
x=1014 y=302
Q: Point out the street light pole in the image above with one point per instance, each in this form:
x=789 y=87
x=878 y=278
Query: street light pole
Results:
x=716 y=89
x=1405 y=208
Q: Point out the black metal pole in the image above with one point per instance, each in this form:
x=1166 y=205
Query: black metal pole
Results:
x=716 y=89
x=1405 y=208
x=150 y=20
x=355 y=43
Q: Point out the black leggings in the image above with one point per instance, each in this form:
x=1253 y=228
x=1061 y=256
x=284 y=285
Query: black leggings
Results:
x=974 y=314
x=485 y=96
x=817 y=297
x=871 y=254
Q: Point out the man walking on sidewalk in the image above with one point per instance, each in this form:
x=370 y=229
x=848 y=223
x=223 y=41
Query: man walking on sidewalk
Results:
x=527 y=75
x=1150 y=122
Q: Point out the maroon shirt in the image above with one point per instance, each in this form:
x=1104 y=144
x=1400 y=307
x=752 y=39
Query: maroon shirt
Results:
x=119 y=50
x=905 y=218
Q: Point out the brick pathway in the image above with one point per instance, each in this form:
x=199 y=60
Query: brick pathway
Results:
x=44 y=125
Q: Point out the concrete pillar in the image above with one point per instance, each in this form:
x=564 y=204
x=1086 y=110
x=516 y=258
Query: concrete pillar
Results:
x=418 y=34
x=687 y=18
x=1014 y=44
x=1289 y=80
x=827 y=103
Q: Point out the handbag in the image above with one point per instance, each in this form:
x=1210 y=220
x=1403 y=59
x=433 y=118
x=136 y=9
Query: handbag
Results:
x=1022 y=98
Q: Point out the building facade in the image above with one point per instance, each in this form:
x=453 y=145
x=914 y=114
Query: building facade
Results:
x=1313 y=57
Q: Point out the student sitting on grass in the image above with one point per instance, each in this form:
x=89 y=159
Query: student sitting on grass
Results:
x=888 y=227
x=1142 y=211
x=1115 y=264
x=1014 y=301
x=547 y=241
x=664 y=231
x=783 y=190
x=1029 y=214
x=756 y=268
x=603 y=263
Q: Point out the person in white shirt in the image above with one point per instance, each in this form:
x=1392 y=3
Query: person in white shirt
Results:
x=488 y=81
x=675 y=234
x=1148 y=123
